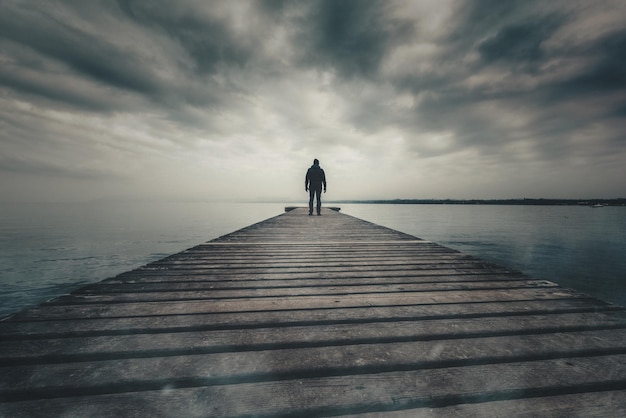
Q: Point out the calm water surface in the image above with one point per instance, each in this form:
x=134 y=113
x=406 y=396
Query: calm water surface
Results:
x=49 y=250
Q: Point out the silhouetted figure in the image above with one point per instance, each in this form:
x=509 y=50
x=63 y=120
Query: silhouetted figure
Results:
x=315 y=178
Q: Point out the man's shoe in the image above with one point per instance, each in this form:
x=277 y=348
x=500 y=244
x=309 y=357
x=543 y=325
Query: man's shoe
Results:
x=310 y=213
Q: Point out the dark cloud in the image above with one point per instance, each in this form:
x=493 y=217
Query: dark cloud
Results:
x=208 y=40
x=520 y=45
x=351 y=37
x=476 y=20
x=87 y=54
x=515 y=75
x=606 y=71
x=54 y=94
x=64 y=51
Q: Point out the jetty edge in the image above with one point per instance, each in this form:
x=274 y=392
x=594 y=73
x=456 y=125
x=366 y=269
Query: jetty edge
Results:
x=316 y=316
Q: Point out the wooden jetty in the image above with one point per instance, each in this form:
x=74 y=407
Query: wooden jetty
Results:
x=316 y=316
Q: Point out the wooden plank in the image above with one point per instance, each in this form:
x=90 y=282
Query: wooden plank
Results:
x=201 y=275
x=228 y=259
x=431 y=387
x=90 y=326
x=447 y=283
x=577 y=405
x=198 y=402
x=280 y=363
x=124 y=346
x=295 y=302
x=290 y=208
x=257 y=292
x=212 y=282
x=316 y=268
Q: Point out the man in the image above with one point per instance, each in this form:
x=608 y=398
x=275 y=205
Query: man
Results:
x=313 y=182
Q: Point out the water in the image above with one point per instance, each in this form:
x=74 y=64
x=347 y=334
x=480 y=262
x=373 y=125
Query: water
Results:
x=49 y=250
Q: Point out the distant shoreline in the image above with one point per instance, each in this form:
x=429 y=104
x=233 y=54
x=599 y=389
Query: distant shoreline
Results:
x=536 y=202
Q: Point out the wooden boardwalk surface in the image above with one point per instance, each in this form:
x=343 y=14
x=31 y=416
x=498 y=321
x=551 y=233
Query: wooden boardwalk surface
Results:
x=316 y=316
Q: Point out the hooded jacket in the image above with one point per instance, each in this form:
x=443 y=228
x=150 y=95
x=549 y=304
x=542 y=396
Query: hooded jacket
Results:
x=315 y=177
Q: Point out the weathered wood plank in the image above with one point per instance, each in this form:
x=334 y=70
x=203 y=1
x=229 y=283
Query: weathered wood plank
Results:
x=428 y=387
x=124 y=346
x=309 y=284
x=199 y=402
x=280 y=363
x=213 y=282
x=219 y=293
x=267 y=319
x=294 y=302
x=578 y=405
x=317 y=268
x=196 y=275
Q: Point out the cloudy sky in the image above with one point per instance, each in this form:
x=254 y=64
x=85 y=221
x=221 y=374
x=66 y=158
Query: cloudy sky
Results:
x=233 y=99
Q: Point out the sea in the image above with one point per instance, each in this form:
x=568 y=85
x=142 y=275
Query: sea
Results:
x=48 y=250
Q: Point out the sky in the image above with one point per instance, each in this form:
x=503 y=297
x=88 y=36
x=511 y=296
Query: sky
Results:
x=232 y=100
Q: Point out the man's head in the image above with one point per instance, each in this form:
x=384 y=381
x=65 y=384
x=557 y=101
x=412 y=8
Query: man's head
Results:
x=316 y=161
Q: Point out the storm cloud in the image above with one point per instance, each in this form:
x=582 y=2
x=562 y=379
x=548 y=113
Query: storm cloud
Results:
x=233 y=100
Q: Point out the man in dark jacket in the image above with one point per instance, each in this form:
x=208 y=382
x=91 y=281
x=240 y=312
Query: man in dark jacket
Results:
x=313 y=182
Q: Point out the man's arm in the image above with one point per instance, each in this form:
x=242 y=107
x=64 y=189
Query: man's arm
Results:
x=324 y=180
x=306 y=181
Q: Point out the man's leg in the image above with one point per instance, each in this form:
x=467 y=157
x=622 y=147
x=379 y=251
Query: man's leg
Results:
x=311 y=195
x=318 y=193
